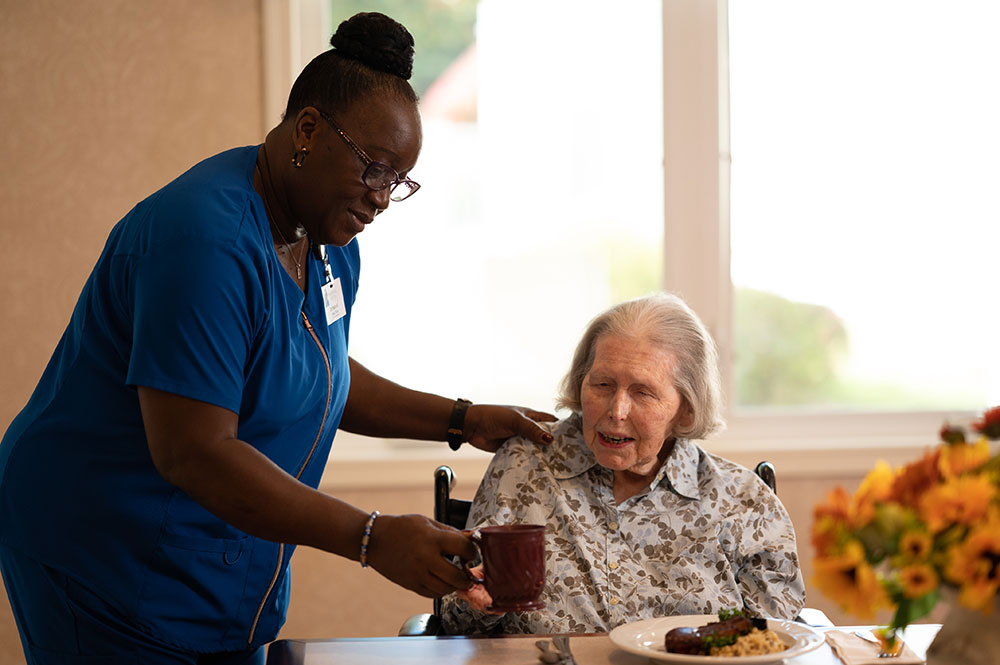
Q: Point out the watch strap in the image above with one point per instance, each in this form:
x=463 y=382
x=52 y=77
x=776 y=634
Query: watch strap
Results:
x=456 y=426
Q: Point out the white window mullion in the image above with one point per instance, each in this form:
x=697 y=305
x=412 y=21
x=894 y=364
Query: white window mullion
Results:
x=293 y=32
x=696 y=162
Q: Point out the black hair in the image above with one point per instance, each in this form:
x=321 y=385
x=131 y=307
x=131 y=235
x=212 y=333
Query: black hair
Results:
x=371 y=54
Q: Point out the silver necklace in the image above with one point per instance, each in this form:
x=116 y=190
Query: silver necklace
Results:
x=274 y=223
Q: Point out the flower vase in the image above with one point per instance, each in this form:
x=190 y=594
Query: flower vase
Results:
x=967 y=637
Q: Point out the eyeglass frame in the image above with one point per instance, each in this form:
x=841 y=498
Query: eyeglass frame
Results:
x=412 y=185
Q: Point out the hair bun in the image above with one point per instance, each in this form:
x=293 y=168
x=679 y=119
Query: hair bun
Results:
x=377 y=41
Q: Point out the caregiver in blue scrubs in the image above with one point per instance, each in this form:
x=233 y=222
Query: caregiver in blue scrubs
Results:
x=155 y=485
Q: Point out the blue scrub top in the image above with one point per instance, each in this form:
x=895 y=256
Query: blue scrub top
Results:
x=187 y=297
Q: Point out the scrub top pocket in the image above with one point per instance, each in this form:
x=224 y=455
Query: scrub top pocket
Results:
x=195 y=585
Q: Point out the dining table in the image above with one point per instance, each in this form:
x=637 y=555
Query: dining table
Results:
x=587 y=649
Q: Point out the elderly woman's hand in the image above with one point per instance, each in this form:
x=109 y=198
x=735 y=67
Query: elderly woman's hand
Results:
x=489 y=425
x=477 y=596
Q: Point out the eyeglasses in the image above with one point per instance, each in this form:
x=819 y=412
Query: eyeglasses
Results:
x=377 y=176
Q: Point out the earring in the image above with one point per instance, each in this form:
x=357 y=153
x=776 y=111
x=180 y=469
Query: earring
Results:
x=299 y=156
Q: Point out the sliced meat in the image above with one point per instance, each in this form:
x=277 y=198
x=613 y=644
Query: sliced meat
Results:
x=692 y=640
x=685 y=640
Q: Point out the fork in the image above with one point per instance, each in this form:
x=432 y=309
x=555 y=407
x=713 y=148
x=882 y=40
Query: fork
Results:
x=562 y=656
x=562 y=643
x=884 y=649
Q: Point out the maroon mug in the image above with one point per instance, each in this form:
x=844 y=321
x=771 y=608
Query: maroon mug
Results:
x=513 y=565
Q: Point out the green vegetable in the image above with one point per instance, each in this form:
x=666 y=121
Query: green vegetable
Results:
x=729 y=614
x=711 y=641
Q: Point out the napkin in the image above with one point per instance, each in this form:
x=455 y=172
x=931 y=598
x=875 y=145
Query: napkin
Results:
x=855 y=651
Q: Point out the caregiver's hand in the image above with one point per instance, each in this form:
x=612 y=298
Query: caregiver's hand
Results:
x=415 y=552
x=489 y=425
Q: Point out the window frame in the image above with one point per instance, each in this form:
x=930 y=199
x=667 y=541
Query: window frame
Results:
x=293 y=32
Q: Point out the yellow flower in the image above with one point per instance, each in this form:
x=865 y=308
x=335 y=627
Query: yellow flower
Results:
x=917 y=580
x=906 y=532
x=978 y=596
x=878 y=483
x=961 y=500
x=957 y=458
x=875 y=487
x=974 y=563
x=850 y=581
x=915 y=545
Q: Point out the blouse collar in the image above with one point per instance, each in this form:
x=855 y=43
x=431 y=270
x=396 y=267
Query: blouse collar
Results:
x=568 y=457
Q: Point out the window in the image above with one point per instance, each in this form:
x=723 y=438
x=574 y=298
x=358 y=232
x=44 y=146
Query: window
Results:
x=836 y=434
x=864 y=214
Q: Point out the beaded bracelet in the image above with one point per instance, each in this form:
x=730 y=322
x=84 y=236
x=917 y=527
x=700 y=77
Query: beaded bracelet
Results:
x=366 y=538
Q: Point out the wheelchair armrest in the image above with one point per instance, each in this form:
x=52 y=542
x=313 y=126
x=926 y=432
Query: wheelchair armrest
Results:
x=421 y=624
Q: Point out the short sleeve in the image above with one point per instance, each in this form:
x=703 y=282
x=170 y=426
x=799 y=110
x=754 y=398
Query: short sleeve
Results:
x=194 y=307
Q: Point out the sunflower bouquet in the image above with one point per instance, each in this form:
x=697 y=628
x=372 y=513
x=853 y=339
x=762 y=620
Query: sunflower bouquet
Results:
x=908 y=532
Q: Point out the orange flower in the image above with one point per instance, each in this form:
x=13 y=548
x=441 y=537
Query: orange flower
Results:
x=915 y=545
x=958 y=458
x=830 y=520
x=850 y=581
x=837 y=506
x=974 y=564
x=989 y=425
x=916 y=478
x=917 y=579
x=961 y=500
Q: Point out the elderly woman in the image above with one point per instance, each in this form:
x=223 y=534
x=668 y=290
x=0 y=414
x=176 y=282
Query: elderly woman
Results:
x=641 y=522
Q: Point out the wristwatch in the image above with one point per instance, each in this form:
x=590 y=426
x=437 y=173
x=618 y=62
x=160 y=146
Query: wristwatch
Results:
x=456 y=425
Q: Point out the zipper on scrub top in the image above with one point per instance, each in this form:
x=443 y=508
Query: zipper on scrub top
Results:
x=326 y=411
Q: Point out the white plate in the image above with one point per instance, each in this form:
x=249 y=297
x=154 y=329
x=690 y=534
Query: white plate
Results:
x=645 y=638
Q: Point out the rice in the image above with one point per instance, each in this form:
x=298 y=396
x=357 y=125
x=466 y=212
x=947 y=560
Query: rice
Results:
x=754 y=643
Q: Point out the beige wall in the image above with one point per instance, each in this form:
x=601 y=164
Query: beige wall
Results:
x=102 y=102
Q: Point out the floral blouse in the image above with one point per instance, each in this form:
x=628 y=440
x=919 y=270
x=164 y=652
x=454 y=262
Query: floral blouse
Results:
x=707 y=535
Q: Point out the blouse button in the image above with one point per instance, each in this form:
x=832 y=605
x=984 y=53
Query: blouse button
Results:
x=613 y=565
x=615 y=600
x=613 y=526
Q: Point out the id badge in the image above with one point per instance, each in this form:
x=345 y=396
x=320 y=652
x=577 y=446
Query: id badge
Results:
x=333 y=300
